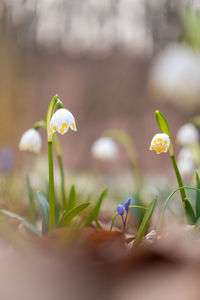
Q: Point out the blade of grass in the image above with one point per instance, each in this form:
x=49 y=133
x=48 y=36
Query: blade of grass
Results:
x=69 y=215
x=28 y=225
x=94 y=213
x=145 y=222
x=72 y=198
x=44 y=208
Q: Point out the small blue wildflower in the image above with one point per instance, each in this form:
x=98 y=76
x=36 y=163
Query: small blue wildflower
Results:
x=120 y=210
x=127 y=204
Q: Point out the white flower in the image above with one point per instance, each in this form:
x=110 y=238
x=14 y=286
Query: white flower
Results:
x=185 y=161
x=160 y=143
x=175 y=75
x=31 y=141
x=61 y=120
x=104 y=148
x=187 y=135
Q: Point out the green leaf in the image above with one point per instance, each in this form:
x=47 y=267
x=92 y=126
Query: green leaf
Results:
x=94 y=213
x=69 y=215
x=57 y=212
x=24 y=222
x=44 y=208
x=162 y=123
x=145 y=222
x=138 y=212
x=191 y=215
x=197 y=194
x=72 y=198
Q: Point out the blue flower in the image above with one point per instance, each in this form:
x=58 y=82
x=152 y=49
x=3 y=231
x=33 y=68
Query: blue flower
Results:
x=127 y=204
x=120 y=210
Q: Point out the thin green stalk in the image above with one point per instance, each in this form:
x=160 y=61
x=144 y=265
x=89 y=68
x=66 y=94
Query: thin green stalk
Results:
x=179 y=179
x=56 y=143
x=51 y=188
x=62 y=181
x=113 y=220
x=53 y=103
x=62 y=175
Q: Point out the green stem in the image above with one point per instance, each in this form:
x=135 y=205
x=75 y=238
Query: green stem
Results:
x=113 y=220
x=62 y=181
x=62 y=175
x=51 y=189
x=56 y=143
x=179 y=179
x=53 y=103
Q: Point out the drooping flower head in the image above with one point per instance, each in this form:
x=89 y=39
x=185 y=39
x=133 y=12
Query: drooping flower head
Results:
x=160 y=143
x=61 y=121
x=31 y=141
x=127 y=204
x=104 y=148
x=120 y=210
x=187 y=135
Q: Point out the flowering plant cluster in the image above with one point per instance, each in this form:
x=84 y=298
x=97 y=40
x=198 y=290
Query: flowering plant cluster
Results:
x=60 y=120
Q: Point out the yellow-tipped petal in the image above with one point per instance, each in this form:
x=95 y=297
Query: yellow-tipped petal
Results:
x=64 y=126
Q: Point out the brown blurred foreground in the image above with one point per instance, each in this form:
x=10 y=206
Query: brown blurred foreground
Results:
x=100 y=265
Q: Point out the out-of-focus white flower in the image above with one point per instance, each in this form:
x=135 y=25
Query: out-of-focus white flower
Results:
x=185 y=161
x=160 y=143
x=185 y=153
x=31 y=141
x=175 y=75
x=61 y=120
x=104 y=148
x=187 y=135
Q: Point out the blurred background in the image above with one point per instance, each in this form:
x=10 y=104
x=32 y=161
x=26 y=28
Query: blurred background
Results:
x=99 y=57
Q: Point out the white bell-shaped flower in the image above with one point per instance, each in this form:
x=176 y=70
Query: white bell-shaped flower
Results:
x=160 y=143
x=105 y=149
x=187 y=135
x=185 y=161
x=175 y=75
x=61 y=121
x=31 y=141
